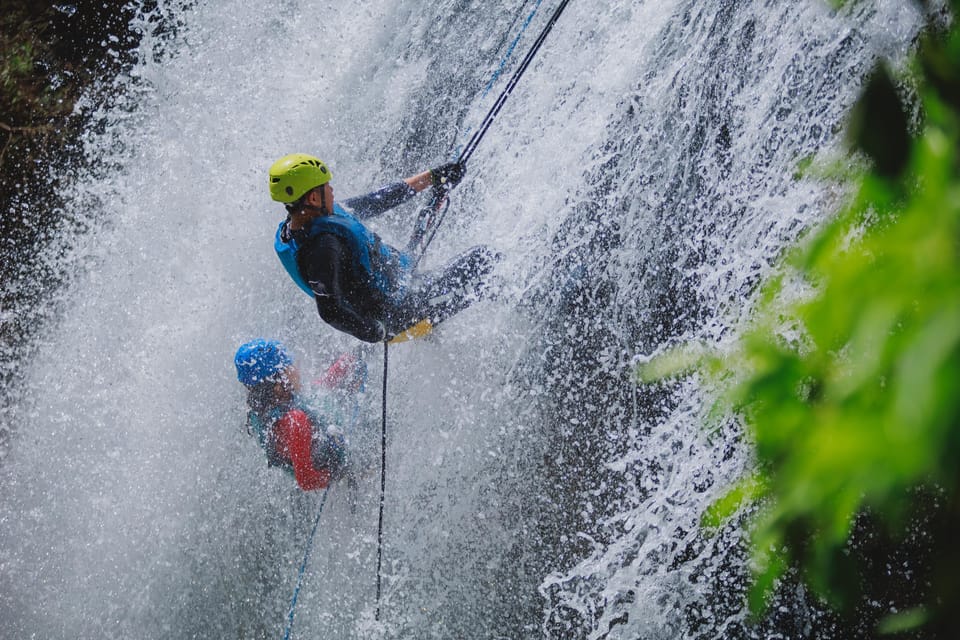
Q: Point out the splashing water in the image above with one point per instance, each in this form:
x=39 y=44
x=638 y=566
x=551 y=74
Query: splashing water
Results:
x=639 y=182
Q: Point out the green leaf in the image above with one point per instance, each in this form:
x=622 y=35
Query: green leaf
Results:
x=903 y=621
x=680 y=360
x=749 y=489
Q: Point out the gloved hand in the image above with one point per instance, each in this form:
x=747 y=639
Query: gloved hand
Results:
x=448 y=175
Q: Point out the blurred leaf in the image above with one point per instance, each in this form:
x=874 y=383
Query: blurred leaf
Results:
x=769 y=568
x=676 y=361
x=747 y=490
x=903 y=621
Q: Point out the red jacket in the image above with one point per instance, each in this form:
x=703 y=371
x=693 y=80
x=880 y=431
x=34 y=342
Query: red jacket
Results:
x=294 y=437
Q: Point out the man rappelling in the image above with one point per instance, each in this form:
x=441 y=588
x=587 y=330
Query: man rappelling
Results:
x=362 y=285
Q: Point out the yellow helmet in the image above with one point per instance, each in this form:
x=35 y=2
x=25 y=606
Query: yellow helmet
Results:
x=294 y=175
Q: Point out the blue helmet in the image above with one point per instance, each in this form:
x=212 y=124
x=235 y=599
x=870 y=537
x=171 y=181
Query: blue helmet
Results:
x=260 y=360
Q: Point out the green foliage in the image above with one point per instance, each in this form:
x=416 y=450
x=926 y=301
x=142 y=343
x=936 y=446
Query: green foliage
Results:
x=850 y=383
x=747 y=490
x=904 y=621
x=22 y=59
x=865 y=407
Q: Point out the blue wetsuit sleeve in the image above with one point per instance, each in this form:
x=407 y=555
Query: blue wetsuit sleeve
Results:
x=319 y=262
x=373 y=204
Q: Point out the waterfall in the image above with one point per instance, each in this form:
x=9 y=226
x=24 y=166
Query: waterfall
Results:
x=640 y=182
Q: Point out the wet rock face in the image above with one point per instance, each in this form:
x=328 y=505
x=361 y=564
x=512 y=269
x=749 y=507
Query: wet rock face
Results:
x=50 y=54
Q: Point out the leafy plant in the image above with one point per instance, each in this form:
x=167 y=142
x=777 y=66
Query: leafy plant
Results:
x=848 y=377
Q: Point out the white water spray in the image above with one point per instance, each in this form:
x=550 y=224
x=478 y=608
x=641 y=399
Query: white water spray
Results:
x=639 y=182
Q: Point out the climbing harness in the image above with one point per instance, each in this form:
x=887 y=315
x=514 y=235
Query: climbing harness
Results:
x=303 y=567
x=432 y=216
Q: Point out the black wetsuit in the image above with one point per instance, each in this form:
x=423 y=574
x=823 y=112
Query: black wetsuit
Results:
x=347 y=301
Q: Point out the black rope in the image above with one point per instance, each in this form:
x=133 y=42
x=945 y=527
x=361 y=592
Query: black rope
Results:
x=488 y=120
x=439 y=198
x=436 y=209
x=423 y=235
x=383 y=478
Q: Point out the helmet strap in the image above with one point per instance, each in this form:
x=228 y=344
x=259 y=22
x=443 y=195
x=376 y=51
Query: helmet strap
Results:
x=303 y=205
x=323 y=199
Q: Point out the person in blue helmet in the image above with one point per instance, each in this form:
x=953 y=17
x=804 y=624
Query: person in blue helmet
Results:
x=306 y=440
x=362 y=285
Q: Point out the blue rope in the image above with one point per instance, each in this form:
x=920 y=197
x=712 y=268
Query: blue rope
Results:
x=513 y=45
x=303 y=567
x=439 y=204
x=488 y=120
x=503 y=63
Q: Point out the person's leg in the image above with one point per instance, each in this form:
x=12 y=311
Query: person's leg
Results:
x=464 y=274
x=440 y=294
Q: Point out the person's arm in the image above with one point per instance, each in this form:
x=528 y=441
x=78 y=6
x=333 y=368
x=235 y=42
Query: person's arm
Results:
x=319 y=262
x=295 y=431
x=420 y=181
x=380 y=201
x=373 y=204
x=342 y=374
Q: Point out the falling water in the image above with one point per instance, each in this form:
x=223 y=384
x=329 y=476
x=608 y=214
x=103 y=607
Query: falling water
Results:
x=639 y=182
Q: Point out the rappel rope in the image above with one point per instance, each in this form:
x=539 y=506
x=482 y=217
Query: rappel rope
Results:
x=355 y=417
x=424 y=232
x=492 y=114
x=438 y=203
x=383 y=477
x=431 y=217
x=303 y=567
x=506 y=57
